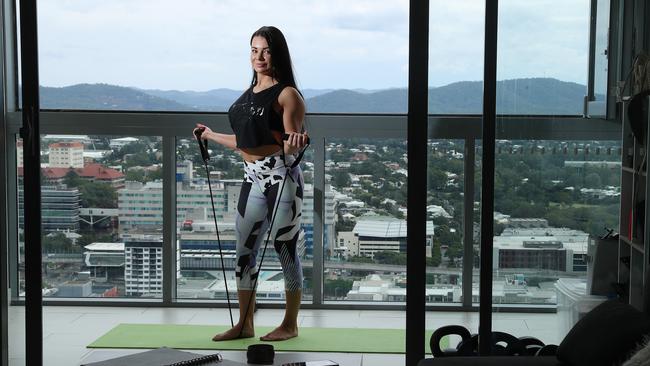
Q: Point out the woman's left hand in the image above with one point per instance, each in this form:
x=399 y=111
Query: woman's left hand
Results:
x=296 y=141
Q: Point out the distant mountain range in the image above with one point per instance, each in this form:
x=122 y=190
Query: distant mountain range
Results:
x=517 y=96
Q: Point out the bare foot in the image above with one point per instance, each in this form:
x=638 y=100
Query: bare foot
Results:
x=234 y=333
x=281 y=333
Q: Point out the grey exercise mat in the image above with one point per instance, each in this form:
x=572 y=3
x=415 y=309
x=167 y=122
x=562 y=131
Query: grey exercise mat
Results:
x=160 y=357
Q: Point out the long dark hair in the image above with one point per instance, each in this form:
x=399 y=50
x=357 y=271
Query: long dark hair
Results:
x=281 y=60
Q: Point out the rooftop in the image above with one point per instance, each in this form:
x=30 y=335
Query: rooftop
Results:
x=384 y=227
x=115 y=247
x=93 y=170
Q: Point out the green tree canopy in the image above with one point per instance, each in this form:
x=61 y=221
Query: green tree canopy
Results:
x=57 y=242
x=389 y=257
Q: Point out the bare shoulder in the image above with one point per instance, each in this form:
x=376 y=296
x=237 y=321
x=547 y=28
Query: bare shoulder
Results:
x=290 y=96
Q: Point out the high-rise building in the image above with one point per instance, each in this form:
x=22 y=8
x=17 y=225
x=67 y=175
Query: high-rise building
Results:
x=66 y=155
x=140 y=207
x=59 y=208
x=143 y=272
x=308 y=219
x=19 y=153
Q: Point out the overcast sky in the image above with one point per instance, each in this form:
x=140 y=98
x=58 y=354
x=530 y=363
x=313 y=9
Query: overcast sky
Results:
x=204 y=44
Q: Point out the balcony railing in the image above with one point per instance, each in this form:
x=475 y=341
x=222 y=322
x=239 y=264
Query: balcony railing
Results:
x=322 y=127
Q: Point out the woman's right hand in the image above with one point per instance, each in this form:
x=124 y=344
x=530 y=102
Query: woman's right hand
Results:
x=203 y=130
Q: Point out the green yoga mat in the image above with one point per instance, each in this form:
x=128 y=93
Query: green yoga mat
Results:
x=352 y=340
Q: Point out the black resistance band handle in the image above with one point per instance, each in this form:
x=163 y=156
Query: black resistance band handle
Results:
x=203 y=144
x=285 y=137
x=302 y=152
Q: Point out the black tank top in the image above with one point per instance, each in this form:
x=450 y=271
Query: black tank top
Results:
x=252 y=117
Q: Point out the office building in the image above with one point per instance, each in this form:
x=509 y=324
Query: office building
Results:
x=66 y=155
x=544 y=249
x=143 y=273
x=59 y=208
x=374 y=234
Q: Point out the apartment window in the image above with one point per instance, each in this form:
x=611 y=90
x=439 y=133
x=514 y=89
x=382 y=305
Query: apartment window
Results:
x=365 y=200
x=97 y=76
x=82 y=215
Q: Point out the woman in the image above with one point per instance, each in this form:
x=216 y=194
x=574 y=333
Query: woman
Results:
x=270 y=107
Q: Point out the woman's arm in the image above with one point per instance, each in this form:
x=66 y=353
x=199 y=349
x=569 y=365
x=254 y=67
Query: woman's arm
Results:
x=293 y=115
x=228 y=141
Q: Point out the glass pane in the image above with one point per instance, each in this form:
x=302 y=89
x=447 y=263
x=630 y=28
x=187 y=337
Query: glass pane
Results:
x=553 y=200
x=18 y=58
x=445 y=204
x=16 y=349
x=201 y=273
x=456 y=48
x=554 y=197
x=542 y=57
x=601 y=58
x=101 y=200
x=366 y=258
x=338 y=50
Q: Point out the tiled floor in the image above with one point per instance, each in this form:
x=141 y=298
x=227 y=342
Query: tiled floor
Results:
x=67 y=330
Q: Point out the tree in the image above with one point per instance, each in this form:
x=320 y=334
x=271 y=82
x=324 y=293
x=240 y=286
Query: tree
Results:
x=72 y=179
x=93 y=237
x=337 y=288
x=223 y=165
x=388 y=257
x=98 y=195
x=93 y=194
x=437 y=179
x=344 y=225
x=132 y=148
x=498 y=228
x=436 y=256
x=135 y=175
x=360 y=259
x=455 y=250
x=154 y=175
x=139 y=159
x=341 y=178
x=592 y=180
x=57 y=242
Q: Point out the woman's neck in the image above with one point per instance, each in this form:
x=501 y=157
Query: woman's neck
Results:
x=264 y=80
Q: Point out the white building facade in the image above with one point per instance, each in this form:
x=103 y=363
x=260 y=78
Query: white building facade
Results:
x=66 y=155
x=381 y=233
x=143 y=273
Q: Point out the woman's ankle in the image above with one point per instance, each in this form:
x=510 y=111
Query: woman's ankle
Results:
x=245 y=326
x=289 y=325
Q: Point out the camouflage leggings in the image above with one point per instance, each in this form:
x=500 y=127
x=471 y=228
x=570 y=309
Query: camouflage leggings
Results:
x=259 y=193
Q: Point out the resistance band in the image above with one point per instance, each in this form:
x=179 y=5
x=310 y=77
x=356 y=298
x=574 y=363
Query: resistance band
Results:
x=203 y=145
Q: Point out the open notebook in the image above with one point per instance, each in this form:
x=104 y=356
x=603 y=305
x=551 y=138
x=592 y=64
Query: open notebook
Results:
x=166 y=357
